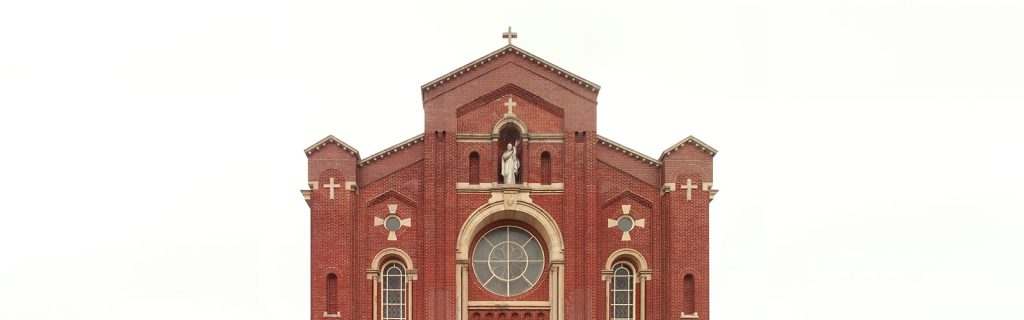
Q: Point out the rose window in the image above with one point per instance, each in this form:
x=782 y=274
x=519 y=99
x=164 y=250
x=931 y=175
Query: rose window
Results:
x=508 y=261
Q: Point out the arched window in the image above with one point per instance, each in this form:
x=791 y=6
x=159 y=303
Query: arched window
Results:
x=689 y=305
x=545 y=167
x=622 y=292
x=393 y=294
x=474 y=168
x=332 y=293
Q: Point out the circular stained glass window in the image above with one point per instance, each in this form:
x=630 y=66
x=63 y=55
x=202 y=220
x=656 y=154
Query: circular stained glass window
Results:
x=625 y=223
x=508 y=260
x=392 y=223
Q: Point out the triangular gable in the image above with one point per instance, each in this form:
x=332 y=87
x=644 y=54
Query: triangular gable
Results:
x=330 y=139
x=511 y=49
x=694 y=141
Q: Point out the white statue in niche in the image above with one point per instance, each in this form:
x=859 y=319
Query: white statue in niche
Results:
x=510 y=164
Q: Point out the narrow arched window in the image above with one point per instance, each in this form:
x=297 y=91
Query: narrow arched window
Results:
x=474 y=168
x=689 y=305
x=545 y=167
x=622 y=292
x=393 y=294
x=332 y=293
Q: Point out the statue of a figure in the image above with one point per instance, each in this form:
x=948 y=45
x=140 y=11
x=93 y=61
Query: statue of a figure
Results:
x=510 y=164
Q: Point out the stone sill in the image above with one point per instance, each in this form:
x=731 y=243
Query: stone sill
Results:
x=488 y=187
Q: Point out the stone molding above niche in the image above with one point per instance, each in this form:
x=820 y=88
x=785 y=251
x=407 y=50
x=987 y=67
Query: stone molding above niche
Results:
x=489 y=187
x=492 y=137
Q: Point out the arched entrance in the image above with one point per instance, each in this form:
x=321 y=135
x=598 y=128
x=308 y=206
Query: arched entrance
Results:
x=522 y=211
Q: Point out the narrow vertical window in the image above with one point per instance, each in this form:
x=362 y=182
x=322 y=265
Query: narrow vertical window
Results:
x=332 y=293
x=474 y=168
x=689 y=305
x=545 y=167
x=622 y=292
x=393 y=295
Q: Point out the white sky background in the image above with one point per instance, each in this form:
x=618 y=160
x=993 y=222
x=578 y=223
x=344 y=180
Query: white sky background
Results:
x=870 y=154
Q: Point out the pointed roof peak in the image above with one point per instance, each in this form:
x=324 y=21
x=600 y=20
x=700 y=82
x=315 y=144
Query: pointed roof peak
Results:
x=691 y=139
x=331 y=139
x=512 y=49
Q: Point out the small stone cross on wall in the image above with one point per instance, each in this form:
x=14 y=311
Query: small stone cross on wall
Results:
x=510 y=104
x=689 y=189
x=332 y=185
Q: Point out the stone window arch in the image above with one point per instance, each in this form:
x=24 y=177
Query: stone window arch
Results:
x=392 y=273
x=626 y=274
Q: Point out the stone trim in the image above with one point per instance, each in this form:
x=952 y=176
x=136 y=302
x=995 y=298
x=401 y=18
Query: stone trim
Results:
x=392 y=149
x=627 y=252
x=490 y=187
x=511 y=49
x=626 y=150
x=691 y=139
x=707 y=186
x=307 y=195
x=404 y=258
x=491 y=137
x=506 y=120
x=501 y=305
x=668 y=187
x=331 y=139
x=688 y=316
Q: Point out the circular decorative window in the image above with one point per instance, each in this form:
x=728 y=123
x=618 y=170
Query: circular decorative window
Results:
x=508 y=260
x=392 y=223
x=625 y=223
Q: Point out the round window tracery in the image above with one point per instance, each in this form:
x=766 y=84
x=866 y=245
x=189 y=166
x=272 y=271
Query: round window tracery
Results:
x=508 y=260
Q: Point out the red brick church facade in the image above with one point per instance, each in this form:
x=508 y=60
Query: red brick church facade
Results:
x=509 y=205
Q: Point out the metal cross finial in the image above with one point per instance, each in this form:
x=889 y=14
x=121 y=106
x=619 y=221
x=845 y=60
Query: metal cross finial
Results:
x=509 y=35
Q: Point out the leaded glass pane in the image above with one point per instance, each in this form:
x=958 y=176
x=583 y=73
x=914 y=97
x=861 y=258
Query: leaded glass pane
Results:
x=394 y=282
x=518 y=286
x=516 y=235
x=498 y=286
x=393 y=297
x=497 y=236
x=621 y=311
x=534 y=270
